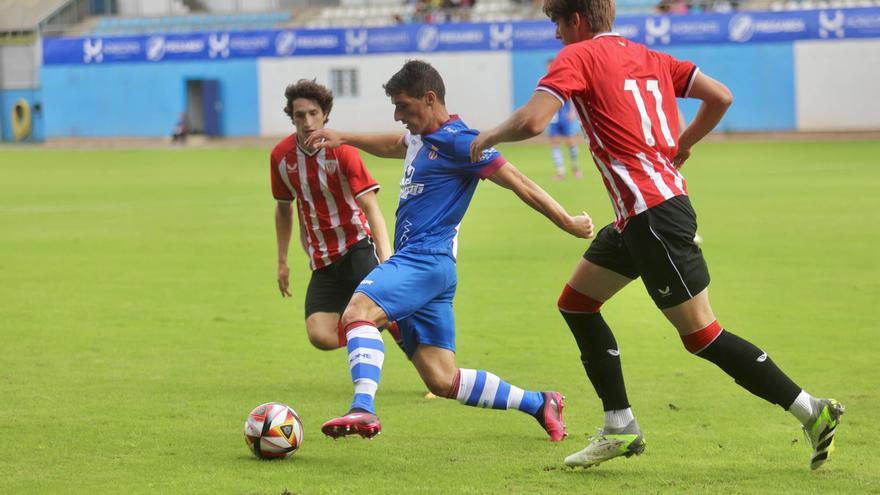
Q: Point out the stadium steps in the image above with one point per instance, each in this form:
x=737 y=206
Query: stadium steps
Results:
x=190 y=23
x=24 y=16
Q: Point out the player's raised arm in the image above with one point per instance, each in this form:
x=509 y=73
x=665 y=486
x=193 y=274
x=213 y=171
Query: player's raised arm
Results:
x=716 y=100
x=531 y=194
x=381 y=145
x=528 y=121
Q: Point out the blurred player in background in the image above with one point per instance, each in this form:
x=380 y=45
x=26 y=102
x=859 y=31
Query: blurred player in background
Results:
x=625 y=95
x=564 y=127
x=340 y=224
x=181 y=130
x=416 y=286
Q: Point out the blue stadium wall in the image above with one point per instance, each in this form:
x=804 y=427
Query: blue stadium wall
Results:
x=788 y=71
x=143 y=99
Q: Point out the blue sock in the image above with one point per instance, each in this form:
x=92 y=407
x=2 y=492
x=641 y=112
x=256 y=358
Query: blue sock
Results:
x=480 y=388
x=366 y=353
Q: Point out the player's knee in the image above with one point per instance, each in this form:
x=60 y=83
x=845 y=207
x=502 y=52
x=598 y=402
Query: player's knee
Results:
x=353 y=313
x=440 y=377
x=702 y=338
x=348 y=317
x=440 y=384
x=436 y=388
x=325 y=339
x=362 y=309
x=324 y=342
x=572 y=301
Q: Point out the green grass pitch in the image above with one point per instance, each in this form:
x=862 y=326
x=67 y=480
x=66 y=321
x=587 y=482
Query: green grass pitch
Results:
x=140 y=322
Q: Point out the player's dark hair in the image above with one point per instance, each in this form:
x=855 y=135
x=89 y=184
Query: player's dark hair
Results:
x=310 y=90
x=599 y=14
x=415 y=79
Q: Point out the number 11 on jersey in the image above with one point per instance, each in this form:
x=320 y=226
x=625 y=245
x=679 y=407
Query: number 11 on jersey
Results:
x=653 y=87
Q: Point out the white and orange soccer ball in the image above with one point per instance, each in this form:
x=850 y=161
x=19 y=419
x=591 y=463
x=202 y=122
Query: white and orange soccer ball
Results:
x=273 y=431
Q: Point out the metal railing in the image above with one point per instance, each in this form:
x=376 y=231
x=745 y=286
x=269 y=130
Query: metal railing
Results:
x=74 y=12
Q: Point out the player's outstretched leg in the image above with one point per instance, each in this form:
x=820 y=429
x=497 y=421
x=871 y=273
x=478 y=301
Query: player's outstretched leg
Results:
x=479 y=388
x=366 y=354
x=753 y=370
x=600 y=355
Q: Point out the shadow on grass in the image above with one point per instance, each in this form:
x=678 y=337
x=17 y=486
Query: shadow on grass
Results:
x=295 y=460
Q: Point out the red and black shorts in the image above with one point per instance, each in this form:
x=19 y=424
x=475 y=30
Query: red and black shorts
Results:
x=332 y=286
x=657 y=245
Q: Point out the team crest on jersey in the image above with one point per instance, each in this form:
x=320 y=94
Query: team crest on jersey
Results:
x=330 y=166
x=432 y=155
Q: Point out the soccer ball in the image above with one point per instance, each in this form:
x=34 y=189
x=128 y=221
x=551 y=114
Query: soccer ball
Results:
x=273 y=431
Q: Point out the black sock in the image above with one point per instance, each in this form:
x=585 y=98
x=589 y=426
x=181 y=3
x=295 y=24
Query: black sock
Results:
x=751 y=368
x=600 y=357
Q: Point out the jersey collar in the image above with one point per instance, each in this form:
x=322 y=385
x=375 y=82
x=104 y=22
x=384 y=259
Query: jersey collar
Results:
x=606 y=34
x=452 y=118
x=303 y=149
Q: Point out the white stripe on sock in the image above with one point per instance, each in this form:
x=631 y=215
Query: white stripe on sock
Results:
x=364 y=332
x=366 y=355
x=488 y=396
x=465 y=384
x=365 y=386
x=515 y=397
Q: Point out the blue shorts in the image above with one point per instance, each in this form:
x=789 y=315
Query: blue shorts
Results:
x=563 y=128
x=416 y=291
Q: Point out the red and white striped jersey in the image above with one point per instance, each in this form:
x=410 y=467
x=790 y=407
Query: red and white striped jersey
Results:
x=325 y=185
x=625 y=96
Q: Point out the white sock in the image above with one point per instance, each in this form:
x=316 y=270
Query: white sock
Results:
x=618 y=418
x=573 y=155
x=557 y=158
x=802 y=407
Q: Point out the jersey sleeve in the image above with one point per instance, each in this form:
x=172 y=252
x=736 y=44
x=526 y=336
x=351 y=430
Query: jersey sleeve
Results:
x=683 y=73
x=280 y=191
x=490 y=160
x=358 y=176
x=566 y=75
